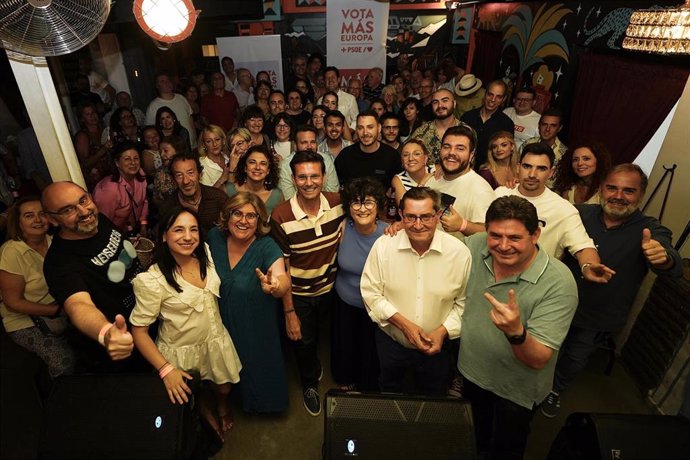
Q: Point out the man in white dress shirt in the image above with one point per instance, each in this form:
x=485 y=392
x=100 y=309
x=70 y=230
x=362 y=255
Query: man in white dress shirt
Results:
x=347 y=104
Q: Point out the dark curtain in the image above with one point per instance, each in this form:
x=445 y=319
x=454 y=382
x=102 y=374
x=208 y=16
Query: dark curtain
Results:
x=487 y=53
x=622 y=102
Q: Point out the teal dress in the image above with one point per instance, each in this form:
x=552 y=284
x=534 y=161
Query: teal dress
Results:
x=252 y=318
x=274 y=199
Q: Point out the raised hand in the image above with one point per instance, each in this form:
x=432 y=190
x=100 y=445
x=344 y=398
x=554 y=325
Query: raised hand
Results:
x=119 y=343
x=653 y=251
x=506 y=316
x=268 y=284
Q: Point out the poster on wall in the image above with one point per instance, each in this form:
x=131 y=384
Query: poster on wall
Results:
x=256 y=53
x=356 y=39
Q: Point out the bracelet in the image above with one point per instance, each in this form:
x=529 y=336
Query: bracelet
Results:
x=104 y=330
x=162 y=366
x=291 y=310
x=582 y=268
x=168 y=368
x=463 y=227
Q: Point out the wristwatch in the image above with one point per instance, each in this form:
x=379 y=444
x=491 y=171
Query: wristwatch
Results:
x=517 y=339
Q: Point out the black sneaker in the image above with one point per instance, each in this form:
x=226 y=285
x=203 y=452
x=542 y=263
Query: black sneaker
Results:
x=312 y=402
x=455 y=390
x=551 y=405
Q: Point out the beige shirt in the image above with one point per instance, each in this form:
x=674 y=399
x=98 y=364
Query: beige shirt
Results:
x=427 y=289
x=18 y=258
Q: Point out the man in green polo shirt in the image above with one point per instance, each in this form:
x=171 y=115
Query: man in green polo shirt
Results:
x=520 y=302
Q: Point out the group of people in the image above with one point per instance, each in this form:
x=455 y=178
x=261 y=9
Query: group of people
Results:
x=510 y=258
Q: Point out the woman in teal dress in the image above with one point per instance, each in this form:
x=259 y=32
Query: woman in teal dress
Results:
x=257 y=172
x=252 y=272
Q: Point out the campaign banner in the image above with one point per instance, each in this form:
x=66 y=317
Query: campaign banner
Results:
x=256 y=53
x=356 y=39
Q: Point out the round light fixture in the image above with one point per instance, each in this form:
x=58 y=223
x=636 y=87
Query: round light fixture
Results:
x=167 y=21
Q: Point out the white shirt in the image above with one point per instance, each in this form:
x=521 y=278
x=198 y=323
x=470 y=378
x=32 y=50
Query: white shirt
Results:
x=244 y=98
x=182 y=109
x=211 y=172
x=473 y=195
x=427 y=289
x=526 y=126
x=347 y=105
x=563 y=227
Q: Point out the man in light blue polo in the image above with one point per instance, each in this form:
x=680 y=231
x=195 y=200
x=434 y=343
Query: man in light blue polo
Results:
x=520 y=303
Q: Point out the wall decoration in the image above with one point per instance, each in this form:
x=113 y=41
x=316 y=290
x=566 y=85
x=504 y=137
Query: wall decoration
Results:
x=462 y=23
x=271 y=10
x=614 y=23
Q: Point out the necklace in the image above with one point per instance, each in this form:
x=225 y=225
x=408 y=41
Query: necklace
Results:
x=191 y=203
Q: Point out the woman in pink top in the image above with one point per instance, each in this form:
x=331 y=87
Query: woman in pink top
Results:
x=121 y=197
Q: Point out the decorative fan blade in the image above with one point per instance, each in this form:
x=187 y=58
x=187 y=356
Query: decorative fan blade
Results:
x=50 y=27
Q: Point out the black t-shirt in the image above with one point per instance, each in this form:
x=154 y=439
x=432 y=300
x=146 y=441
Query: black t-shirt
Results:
x=382 y=164
x=103 y=265
x=499 y=121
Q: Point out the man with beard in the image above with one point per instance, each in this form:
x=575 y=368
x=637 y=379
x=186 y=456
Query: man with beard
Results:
x=334 y=142
x=88 y=268
x=305 y=140
x=630 y=243
x=431 y=132
x=390 y=130
x=561 y=224
x=207 y=202
x=368 y=157
x=469 y=193
x=489 y=119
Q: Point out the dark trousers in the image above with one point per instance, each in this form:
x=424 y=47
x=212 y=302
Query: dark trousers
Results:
x=501 y=426
x=308 y=310
x=353 y=347
x=430 y=372
x=574 y=354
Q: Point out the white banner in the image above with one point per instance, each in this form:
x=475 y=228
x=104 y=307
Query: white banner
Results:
x=356 y=39
x=256 y=53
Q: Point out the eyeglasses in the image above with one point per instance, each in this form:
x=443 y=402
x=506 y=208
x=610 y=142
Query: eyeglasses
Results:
x=282 y=126
x=238 y=215
x=71 y=209
x=425 y=218
x=368 y=205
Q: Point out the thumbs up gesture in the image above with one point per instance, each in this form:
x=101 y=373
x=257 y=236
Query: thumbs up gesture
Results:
x=118 y=341
x=653 y=251
x=506 y=316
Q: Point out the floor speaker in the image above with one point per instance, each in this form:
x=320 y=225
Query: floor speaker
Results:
x=116 y=417
x=375 y=426
x=628 y=437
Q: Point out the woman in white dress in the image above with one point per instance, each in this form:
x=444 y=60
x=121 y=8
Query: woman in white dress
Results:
x=181 y=290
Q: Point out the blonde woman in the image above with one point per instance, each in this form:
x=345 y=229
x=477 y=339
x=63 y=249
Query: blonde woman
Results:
x=389 y=96
x=414 y=156
x=214 y=156
x=502 y=160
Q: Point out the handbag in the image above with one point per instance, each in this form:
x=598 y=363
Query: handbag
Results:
x=50 y=326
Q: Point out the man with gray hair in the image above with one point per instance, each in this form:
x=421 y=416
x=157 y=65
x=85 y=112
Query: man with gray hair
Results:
x=373 y=84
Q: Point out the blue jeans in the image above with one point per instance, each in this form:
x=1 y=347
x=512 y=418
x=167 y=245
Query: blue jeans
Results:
x=574 y=354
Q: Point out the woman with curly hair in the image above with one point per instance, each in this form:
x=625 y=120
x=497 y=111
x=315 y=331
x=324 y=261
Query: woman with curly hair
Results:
x=502 y=160
x=123 y=127
x=257 y=172
x=580 y=172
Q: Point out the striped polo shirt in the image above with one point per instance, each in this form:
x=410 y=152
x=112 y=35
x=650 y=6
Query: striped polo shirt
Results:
x=310 y=243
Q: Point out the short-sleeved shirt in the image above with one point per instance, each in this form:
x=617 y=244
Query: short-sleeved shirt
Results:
x=220 y=110
x=473 y=195
x=382 y=164
x=17 y=258
x=547 y=297
x=182 y=109
x=310 y=243
x=429 y=136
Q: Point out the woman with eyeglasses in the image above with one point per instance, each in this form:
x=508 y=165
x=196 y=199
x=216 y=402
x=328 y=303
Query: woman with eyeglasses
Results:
x=121 y=197
x=214 y=157
x=257 y=172
x=415 y=173
x=354 y=362
x=181 y=292
x=253 y=276
x=502 y=160
x=281 y=142
x=29 y=313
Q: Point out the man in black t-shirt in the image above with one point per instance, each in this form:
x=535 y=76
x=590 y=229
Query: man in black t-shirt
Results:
x=368 y=157
x=88 y=268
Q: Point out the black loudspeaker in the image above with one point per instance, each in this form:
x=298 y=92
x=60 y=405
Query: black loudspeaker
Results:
x=375 y=426
x=627 y=437
x=123 y=416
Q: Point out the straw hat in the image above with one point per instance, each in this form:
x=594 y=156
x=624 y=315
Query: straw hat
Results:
x=468 y=85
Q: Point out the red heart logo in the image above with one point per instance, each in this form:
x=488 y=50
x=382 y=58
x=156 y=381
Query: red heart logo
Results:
x=369 y=48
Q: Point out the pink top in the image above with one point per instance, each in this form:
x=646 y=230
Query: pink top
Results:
x=119 y=203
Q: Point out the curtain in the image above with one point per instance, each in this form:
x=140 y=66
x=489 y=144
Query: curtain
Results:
x=487 y=53
x=622 y=102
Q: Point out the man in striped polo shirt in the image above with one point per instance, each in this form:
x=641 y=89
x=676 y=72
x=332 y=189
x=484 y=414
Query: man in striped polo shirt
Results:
x=308 y=228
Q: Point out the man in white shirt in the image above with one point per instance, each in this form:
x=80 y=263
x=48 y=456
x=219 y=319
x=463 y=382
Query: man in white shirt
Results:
x=524 y=117
x=562 y=226
x=176 y=102
x=243 y=90
x=468 y=194
x=413 y=286
x=347 y=104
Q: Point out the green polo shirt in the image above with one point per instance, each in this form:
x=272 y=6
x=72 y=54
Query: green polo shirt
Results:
x=547 y=297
